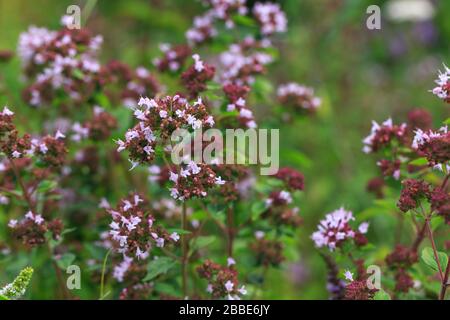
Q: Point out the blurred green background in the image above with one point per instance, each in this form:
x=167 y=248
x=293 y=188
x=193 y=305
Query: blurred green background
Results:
x=360 y=74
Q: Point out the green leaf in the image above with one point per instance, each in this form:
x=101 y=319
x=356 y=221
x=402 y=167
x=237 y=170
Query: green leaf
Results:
x=419 y=162
x=213 y=85
x=46 y=185
x=382 y=295
x=179 y=231
x=262 y=87
x=257 y=208
x=102 y=99
x=68 y=230
x=202 y=242
x=77 y=73
x=2 y=297
x=244 y=20
x=65 y=261
x=159 y=266
x=166 y=288
x=447 y=121
x=428 y=258
x=436 y=222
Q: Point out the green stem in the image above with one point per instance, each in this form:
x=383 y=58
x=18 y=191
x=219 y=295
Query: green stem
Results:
x=184 y=245
x=102 y=283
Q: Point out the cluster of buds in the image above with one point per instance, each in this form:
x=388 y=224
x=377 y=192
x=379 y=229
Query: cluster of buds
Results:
x=139 y=291
x=400 y=260
x=299 y=97
x=442 y=90
x=401 y=257
x=358 y=289
x=277 y=209
x=335 y=229
x=50 y=150
x=132 y=229
x=101 y=125
x=278 y=203
x=133 y=83
x=440 y=203
x=233 y=176
x=413 y=192
x=174 y=57
x=196 y=76
x=382 y=135
x=161 y=117
x=98 y=128
x=293 y=179
x=6 y=55
x=11 y=143
x=193 y=180
x=434 y=145
x=236 y=95
x=222 y=281
x=375 y=186
x=419 y=119
x=32 y=228
x=267 y=252
x=270 y=18
x=390 y=168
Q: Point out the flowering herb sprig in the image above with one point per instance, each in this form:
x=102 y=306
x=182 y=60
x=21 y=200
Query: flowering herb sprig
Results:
x=17 y=288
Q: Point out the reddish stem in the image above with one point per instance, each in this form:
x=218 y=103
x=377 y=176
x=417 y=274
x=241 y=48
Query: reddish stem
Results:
x=445 y=282
x=230 y=233
x=433 y=245
x=419 y=238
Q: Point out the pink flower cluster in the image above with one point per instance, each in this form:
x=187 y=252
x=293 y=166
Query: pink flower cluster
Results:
x=442 y=90
x=298 y=96
x=193 y=180
x=33 y=227
x=434 y=145
x=224 y=9
x=239 y=64
x=162 y=116
x=270 y=17
x=335 y=229
x=65 y=60
x=236 y=95
x=221 y=10
x=382 y=135
x=196 y=76
x=174 y=57
x=133 y=232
